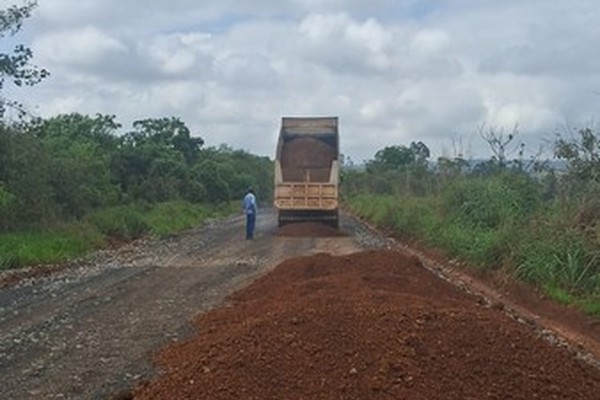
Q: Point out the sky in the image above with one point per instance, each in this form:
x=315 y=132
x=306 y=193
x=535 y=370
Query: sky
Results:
x=437 y=71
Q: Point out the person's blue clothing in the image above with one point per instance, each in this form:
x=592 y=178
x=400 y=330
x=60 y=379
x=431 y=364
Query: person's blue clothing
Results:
x=250 y=223
x=249 y=205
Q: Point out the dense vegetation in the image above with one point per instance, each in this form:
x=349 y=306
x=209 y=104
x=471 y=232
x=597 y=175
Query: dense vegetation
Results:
x=77 y=175
x=521 y=218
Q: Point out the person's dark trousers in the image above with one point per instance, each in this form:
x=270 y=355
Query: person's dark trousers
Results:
x=250 y=222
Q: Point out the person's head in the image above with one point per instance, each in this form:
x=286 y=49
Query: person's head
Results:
x=250 y=190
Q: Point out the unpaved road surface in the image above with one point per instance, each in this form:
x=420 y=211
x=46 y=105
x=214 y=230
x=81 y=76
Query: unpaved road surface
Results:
x=91 y=329
x=369 y=325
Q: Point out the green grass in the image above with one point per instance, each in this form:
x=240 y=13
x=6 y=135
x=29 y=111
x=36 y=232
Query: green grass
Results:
x=123 y=222
x=591 y=306
x=46 y=246
x=559 y=294
x=28 y=248
x=167 y=218
x=423 y=219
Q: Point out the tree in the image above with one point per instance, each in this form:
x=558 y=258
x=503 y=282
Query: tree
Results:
x=400 y=169
x=240 y=170
x=81 y=148
x=448 y=168
x=100 y=129
x=171 y=132
x=420 y=152
x=500 y=143
x=582 y=154
x=217 y=189
x=154 y=161
x=25 y=172
x=400 y=157
x=15 y=66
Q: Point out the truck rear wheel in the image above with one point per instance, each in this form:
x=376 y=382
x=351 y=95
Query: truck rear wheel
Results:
x=335 y=221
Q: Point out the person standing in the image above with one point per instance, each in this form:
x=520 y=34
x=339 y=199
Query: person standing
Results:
x=249 y=205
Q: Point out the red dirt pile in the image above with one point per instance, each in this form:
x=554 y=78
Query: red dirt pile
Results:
x=306 y=152
x=309 y=229
x=374 y=325
x=306 y=158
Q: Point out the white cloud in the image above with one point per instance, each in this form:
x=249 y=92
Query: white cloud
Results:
x=430 y=41
x=394 y=71
x=178 y=54
x=78 y=47
x=343 y=44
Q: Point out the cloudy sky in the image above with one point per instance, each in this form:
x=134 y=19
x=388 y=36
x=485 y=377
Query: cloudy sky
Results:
x=393 y=71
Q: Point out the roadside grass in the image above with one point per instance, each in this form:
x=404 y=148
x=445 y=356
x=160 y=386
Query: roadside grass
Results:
x=61 y=243
x=47 y=247
x=591 y=306
x=534 y=242
x=167 y=218
x=423 y=219
x=122 y=222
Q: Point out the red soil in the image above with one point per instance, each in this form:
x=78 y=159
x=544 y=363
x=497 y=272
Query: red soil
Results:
x=306 y=158
x=373 y=325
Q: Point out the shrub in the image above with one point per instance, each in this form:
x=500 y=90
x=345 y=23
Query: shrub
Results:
x=562 y=260
x=27 y=248
x=126 y=222
x=166 y=218
x=8 y=202
x=491 y=202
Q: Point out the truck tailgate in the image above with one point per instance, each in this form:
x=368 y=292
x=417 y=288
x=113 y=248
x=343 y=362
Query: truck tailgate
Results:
x=306 y=196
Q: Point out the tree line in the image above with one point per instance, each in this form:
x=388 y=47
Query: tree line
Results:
x=64 y=167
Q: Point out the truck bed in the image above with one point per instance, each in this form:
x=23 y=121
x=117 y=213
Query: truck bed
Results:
x=307 y=170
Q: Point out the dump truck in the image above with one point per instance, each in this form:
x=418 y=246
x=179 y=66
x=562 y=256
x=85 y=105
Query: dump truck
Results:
x=307 y=170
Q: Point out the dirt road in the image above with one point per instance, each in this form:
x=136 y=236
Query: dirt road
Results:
x=92 y=329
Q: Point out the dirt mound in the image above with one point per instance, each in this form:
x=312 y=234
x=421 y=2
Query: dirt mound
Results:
x=306 y=152
x=306 y=158
x=309 y=229
x=374 y=325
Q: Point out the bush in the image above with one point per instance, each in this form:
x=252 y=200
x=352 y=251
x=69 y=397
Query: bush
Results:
x=377 y=209
x=492 y=202
x=125 y=222
x=559 y=258
x=27 y=248
x=8 y=202
x=482 y=247
x=166 y=218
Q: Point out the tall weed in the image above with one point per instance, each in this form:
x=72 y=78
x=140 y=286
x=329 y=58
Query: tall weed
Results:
x=561 y=258
x=57 y=244
x=124 y=222
x=19 y=249
x=493 y=201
